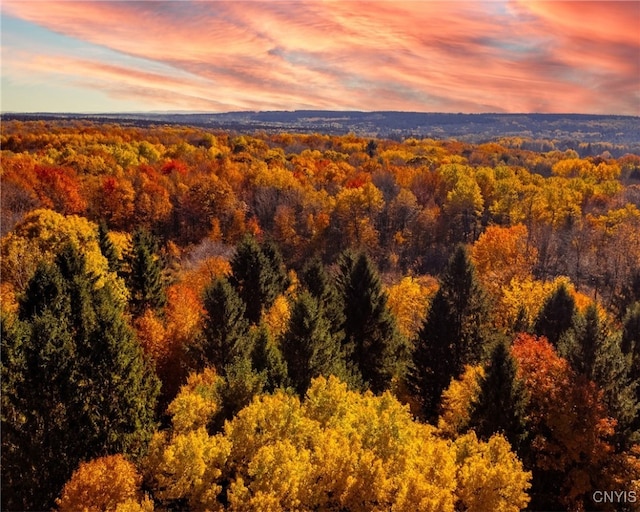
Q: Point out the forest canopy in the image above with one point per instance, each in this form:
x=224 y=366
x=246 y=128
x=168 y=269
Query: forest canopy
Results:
x=213 y=320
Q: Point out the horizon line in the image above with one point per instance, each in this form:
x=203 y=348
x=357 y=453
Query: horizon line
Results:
x=215 y=113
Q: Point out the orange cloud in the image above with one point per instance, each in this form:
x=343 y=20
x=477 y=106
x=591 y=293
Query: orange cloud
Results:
x=515 y=56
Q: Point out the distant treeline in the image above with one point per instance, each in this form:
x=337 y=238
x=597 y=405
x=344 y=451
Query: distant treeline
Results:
x=589 y=135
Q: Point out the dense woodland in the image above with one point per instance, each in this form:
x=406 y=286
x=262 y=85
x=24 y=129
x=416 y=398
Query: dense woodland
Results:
x=207 y=320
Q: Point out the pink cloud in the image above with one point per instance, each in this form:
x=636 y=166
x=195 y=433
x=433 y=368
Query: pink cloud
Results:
x=432 y=56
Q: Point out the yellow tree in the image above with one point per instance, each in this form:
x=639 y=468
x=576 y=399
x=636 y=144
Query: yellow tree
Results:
x=335 y=450
x=457 y=400
x=501 y=254
x=520 y=301
x=355 y=211
x=107 y=484
x=408 y=301
x=40 y=236
x=483 y=468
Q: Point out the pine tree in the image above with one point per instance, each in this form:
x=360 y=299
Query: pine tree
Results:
x=258 y=277
x=15 y=482
x=500 y=407
x=630 y=342
x=585 y=343
x=455 y=333
x=372 y=341
x=308 y=347
x=85 y=390
x=557 y=315
x=267 y=358
x=144 y=275
x=241 y=383
x=277 y=271
x=594 y=350
x=225 y=334
x=630 y=348
x=317 y=281
x=107 y=248
x=630 y=293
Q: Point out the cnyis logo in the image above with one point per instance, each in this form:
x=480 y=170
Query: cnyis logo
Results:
x=625 y=497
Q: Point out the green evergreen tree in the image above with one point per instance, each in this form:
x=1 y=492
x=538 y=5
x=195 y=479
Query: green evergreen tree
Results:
x=557 y=315
x=86 y=389
x=372 y=341
x=308 y=347
x=594 y=349
x=225 y=334
x=266 y=358
x=107 y=248
x=317 y=281
x=630 y=342
x=584 y=342
x=501 y=404
x=258 y=277
x=630 y=348
x=277 y=271
x=16 y=479
x=241 y=384
x=629 y=294
x=455 y=333
x=144 y=274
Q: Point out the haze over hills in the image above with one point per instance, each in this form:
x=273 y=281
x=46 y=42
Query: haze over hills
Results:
x=615 y=130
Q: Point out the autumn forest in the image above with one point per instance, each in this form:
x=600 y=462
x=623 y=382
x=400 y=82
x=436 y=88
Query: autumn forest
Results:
x=203 y=319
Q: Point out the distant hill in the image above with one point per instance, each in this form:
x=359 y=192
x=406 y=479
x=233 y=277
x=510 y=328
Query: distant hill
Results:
x=616 y=130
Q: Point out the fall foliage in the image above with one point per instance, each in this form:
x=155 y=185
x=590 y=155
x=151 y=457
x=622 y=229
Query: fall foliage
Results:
x=293 y=295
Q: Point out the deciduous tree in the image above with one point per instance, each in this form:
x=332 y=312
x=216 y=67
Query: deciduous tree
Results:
x=335 y=450
x=569 y=429
x=106 y=484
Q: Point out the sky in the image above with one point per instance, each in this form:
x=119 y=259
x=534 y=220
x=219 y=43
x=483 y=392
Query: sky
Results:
x=221 y=56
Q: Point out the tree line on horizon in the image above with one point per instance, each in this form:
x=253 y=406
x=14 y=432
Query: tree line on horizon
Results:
x=270 y=336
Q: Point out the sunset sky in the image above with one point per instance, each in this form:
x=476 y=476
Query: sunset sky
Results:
x=428 y=56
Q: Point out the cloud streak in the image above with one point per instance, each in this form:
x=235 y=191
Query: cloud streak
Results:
x=513 y=56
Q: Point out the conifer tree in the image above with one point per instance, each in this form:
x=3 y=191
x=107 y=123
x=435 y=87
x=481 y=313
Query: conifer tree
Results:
x=630 y=293
x=144 y=274
x=225 y=334
x=267 y=358
x=455 y=333
x=594 y=350
x=372 y=341
x=15 y=480
x=581 y=343
x=319 y=284
x=630 y=347
x=557 y=315
x=500 y=407
x=86 y=389
x=107 y=248
x=277 y=271
x=241 y=383
x=584 y=344
x=630 y=342
x=308 y=347
x=258 y=277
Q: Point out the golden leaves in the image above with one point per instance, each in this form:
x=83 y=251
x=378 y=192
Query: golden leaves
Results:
x=337 y=449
